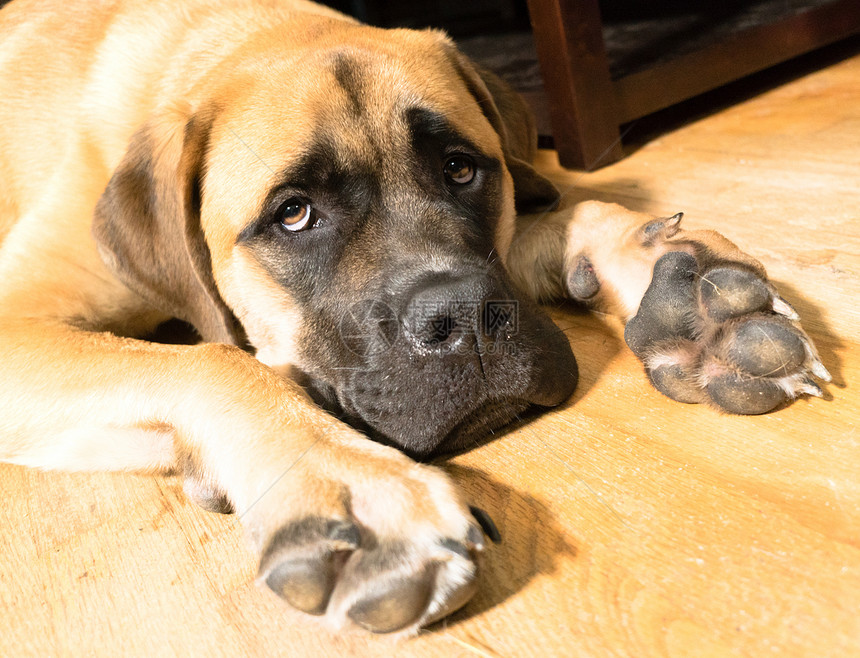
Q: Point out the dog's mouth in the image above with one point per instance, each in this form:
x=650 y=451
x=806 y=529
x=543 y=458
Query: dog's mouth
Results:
x=470 y=430
x=438 y=377
x=480 y=426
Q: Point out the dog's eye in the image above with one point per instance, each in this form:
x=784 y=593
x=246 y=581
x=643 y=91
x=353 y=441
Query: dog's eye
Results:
x=295 y=214
x=459 y=169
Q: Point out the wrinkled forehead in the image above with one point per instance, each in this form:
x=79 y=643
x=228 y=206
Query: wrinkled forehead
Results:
x=348 y=108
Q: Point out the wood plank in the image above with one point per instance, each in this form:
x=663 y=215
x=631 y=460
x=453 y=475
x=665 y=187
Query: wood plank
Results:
x=632 y=525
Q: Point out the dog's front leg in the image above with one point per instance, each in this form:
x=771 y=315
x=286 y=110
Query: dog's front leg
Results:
x=345 y=528
x=700 y=314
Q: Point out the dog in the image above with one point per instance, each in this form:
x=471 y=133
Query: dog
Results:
x=349 y=219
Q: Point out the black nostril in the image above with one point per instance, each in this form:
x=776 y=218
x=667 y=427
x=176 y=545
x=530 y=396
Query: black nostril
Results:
x=440 y=329
x=444 y=313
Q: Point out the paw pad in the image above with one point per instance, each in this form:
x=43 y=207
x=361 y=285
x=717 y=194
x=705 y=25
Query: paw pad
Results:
x=728 y=292
x=395 y=602
x=328 y=567
x=582 y=282
x=765 y=347
x=302 y=562
x=677 y=382
x=668 y=306
x=744 y=395
x=722 y=336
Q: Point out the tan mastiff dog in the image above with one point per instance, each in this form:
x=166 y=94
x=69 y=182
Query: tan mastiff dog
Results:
x=332 y=207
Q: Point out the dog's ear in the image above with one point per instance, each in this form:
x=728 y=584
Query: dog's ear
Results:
x=147 y=223
x=509 y=115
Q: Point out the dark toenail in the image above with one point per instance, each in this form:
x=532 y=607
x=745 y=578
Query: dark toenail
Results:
x=486 y=524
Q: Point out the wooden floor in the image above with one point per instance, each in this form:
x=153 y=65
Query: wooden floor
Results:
x=633 y=525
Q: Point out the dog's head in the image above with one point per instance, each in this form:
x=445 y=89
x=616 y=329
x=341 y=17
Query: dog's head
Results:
x=347 y=207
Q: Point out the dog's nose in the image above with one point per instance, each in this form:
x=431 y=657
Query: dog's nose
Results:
x=447 y=313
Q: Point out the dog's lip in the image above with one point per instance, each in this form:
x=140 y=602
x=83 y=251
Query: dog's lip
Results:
x=480 y=425
x=554 y=386
x=471 y=429
x=558 y=394
x=475 y=427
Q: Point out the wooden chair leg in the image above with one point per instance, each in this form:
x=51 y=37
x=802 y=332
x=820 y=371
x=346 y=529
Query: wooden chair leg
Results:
x=569 y=39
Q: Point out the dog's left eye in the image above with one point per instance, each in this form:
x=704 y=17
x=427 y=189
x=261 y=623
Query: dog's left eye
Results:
x=295 y=214
x=459 y=169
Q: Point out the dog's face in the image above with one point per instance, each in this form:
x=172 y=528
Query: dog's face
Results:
x=357 y=203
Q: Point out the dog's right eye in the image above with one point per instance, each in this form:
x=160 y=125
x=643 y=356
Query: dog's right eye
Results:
x=459 y=169
x=295 y=214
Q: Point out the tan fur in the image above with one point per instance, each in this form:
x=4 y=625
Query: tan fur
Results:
x=130 y=88
x=76 y=397
x=609 y=235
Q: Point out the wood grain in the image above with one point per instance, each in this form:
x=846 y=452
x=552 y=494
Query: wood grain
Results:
x=632 y=525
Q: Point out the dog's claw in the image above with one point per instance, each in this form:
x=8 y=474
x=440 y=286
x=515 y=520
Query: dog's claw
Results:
x=487 y=525
x=809 y=387
x=820 y=371
x=784 y=308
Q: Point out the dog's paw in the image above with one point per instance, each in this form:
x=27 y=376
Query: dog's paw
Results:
x=701 y=314
x=402 y=554
x=710 y=329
